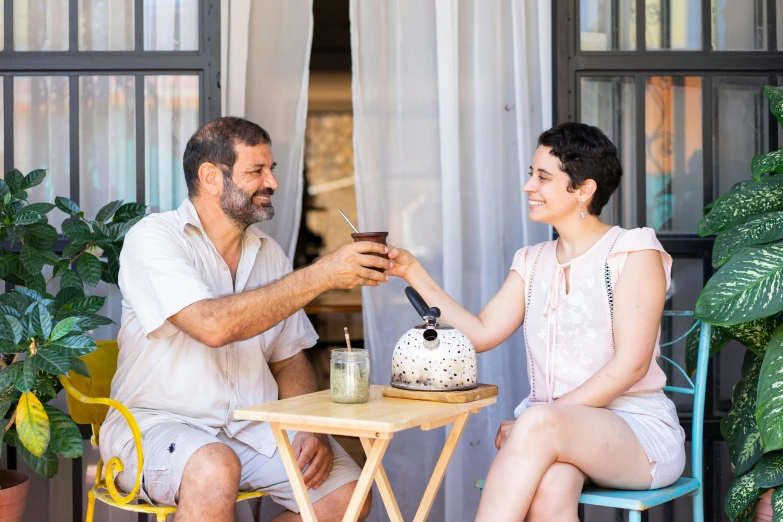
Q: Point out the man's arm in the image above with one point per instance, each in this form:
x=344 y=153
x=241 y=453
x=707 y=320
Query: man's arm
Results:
x=295 y=376
x=220 y=321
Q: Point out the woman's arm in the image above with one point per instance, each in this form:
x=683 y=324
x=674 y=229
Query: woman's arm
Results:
x=639 y=298
x=497 y=321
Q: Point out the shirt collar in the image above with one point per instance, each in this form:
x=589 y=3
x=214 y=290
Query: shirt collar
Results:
x=253 y=237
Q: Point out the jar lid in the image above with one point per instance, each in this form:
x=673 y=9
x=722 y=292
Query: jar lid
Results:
x=356 y=354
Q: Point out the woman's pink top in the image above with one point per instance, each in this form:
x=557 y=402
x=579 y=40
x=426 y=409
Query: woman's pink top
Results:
x=569 y=336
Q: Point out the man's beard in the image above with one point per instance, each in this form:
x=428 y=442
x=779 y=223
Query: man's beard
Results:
x=239 y=207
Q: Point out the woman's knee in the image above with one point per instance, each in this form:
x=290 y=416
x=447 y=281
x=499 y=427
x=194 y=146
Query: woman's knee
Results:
x=557 y=494
x=539 y=422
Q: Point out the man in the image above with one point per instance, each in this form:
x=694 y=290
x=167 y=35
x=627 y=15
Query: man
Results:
x=212 y=320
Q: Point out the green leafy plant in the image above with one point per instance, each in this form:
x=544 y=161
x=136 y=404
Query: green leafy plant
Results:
x=744 y=302
x=41 y=334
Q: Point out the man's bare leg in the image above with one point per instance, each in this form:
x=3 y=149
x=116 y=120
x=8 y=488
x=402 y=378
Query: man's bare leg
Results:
x=332 y=507
x=209 y=486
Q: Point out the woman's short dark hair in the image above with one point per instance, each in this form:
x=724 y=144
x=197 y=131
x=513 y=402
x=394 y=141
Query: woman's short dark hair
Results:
x=585 y=153
x=215 y=142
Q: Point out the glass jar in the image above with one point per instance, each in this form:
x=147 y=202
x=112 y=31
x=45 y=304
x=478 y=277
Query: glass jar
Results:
x=350 y=376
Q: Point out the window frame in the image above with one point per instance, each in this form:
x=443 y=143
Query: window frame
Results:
x=204 y=63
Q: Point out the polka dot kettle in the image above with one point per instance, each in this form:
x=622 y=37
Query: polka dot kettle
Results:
x=433 y=356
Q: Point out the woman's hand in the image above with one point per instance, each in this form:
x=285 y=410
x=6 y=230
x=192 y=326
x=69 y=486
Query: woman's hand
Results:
x=402 y=260
x=504 y=432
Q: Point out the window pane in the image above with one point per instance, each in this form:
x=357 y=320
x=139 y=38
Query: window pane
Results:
x=41 y=25
x=171 y=116
x=739 y=26
x=171 y=25
x=673 y=24
x=106 y=25
x=779 y=9
x=107 y=131
x=607 y=25
x=41 y=135
x=609 y=104
x=674 y=153
x=2 y=25
x=740 y=127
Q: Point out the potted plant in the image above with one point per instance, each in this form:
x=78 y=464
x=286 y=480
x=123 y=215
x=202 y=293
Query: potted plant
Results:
x=43 y=334
x=744 y=301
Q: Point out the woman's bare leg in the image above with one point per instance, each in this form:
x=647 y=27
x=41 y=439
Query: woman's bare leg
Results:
x=595 y=440
x=557 y=496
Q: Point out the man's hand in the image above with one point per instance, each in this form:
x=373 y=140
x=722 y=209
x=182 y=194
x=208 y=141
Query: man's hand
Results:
x=313 y=449
x=347 y=267
x=504 y=432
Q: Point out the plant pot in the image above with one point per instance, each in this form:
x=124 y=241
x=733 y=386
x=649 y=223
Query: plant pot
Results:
x=764 y=508
x=14 y=487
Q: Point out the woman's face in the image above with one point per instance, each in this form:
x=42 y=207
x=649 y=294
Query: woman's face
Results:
x=549 y=200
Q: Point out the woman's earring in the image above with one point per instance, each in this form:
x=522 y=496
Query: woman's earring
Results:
x=582 y=213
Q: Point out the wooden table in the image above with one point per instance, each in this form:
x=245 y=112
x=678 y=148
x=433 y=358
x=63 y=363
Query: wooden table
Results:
x=375 y=424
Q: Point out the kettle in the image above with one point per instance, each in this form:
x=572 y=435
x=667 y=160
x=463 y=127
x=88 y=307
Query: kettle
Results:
x=433 y=356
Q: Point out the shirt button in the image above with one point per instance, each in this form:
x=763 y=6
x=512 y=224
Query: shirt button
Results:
x=225 y=268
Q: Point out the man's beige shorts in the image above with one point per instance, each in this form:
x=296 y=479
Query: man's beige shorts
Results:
x=167 y=448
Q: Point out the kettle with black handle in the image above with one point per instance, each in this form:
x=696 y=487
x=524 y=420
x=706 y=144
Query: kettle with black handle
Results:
x=433 y=356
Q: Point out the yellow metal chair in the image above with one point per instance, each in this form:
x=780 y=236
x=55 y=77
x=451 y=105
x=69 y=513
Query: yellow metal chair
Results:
x=88 y=403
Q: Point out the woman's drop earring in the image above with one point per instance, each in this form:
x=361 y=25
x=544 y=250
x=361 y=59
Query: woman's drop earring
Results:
x=582 y=213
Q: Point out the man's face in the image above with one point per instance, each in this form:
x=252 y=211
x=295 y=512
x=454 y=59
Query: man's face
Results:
x=247 y=192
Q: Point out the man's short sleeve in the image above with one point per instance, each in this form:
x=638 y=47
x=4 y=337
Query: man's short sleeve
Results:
x=157 y=278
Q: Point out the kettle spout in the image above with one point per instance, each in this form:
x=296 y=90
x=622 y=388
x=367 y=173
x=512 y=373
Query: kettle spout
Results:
x=431 y=340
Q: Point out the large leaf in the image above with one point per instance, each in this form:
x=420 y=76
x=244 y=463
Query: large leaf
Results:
x=770 y=162
x=41 y=208
x=41 y=321
x=46 y=387
x=46 y=465
x=32 y=424
x=31 y=259
x=770 y=394
x=739 y=206
x=27 y=217
x=66 y=205
x=64 y=327
x=41 y=236
x=68 y=295
x=775 y=97
x=76 y=230
x=71 y=280
x=33 y=179
x=66 y=437
x=740 y=428
x=748 y=287
x=14 y=180
x=755 y=335
x=718 y=339
x=89 y=268
x=9 y=374
x=108 y=211
x=129 y=211
x=742 y=491
x=777 y=505
x=749 y=513
x=26 y=378
x=74 y=346
x=769 y=470
x=78 y=366
x=760 y=230
x=52 y=362
x=86 y=305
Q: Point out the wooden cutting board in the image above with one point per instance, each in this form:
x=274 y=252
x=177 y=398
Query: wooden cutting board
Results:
x=482 y=391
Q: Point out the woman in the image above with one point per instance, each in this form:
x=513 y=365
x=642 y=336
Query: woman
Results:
x=591 y=302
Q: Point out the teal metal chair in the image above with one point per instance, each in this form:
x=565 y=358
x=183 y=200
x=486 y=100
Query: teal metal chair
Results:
x=637 y=501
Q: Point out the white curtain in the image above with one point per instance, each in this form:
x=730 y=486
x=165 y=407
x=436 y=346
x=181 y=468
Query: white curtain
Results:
x=449 y=98
x=264 y=79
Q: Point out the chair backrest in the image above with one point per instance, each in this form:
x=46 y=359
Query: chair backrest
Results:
x=697 y=386
x=102 y=365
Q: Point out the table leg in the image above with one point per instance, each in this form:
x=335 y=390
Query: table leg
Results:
x=383 y=486
x=294 y=474
x=374 y=459
x=440 y=468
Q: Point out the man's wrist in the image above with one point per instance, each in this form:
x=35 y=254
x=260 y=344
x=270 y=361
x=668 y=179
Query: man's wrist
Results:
x=318 y=277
